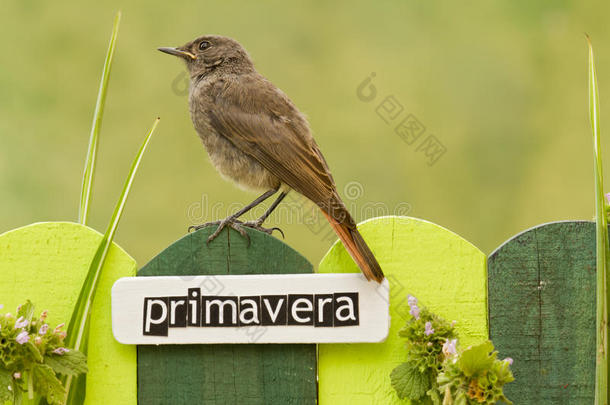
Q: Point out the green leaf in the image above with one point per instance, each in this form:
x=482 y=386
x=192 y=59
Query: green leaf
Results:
x=34 y=350
x=434 y=395
x=461 y=399
x=47 y=384
x=477 y=359
x=602 y=393
x=18 y=399
x=85 y=196
x=503 y=373
x=79 y=322
x=78 y=383
x=6 y=381
x=409 y=382
x=26 y=311
x=69 y=363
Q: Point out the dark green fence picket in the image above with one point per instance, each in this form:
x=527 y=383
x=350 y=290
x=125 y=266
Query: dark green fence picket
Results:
x=226 y=374
x=541 y=286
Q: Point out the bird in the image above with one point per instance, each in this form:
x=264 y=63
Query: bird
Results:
x=256 y=137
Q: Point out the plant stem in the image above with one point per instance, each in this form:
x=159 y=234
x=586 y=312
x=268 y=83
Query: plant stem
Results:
x=85 y=196
x=31 y=384
x=602 y=256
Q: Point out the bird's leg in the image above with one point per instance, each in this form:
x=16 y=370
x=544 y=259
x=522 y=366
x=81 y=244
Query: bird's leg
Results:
x=257 y=224
x=232 y=221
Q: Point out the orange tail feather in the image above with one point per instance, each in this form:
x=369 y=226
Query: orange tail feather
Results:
x=357 y=249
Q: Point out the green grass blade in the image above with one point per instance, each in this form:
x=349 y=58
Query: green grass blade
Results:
x=85 y=194
x=79 y=322
x=602 y=395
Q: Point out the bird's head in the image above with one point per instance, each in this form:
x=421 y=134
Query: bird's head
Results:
x=213 y=52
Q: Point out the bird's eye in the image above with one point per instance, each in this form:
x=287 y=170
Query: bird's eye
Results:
x=203 y=45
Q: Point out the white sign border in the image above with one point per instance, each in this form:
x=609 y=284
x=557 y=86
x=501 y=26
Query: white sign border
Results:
x=128 y=295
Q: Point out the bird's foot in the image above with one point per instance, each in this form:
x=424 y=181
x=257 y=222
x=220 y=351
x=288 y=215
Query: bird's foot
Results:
x=231 y=222
x=234 y=223
x=258 y=226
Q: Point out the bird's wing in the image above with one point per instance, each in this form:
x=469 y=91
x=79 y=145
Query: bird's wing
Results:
x=262 y=122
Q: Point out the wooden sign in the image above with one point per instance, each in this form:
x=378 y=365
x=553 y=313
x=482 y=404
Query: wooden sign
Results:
x=269 y=308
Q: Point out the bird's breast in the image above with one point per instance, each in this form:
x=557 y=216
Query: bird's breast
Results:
x=231 y=162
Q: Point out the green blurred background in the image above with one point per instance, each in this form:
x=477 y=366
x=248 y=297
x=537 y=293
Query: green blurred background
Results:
x=502 y=85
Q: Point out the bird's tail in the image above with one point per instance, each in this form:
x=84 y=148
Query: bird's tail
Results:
x=357 y=248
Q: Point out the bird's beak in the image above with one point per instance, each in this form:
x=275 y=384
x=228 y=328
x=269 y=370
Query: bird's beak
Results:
x=178 y=52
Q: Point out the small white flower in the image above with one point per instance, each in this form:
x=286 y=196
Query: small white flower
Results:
x=43 y=329
x=61 y=350
x=22 y=338
x=17 y=375
x=429 y=330
x=450 y=347
x=411 y=300
x=21 y=322
x=414 y=311
x=509 y=360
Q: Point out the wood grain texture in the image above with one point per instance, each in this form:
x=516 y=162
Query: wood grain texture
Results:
x=226 y=374
x=445 y=272
x=542 y=312
x=47 y=263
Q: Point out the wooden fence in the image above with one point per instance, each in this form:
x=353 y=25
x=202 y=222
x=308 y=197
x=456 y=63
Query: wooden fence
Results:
x=534 y=297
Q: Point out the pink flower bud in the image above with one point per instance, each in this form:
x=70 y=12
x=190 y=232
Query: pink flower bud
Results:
x=58 y=327
x=44 y=314
x=38 y=340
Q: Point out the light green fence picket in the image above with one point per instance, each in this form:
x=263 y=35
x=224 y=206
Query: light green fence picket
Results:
x=47 y=263
x=444 y=271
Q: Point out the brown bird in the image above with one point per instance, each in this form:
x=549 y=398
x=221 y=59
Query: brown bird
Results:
x=256 y=137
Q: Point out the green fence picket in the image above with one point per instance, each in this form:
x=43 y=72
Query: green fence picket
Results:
x=47 y=263
x=444 y=271
x=226 y=374
x=542 y=312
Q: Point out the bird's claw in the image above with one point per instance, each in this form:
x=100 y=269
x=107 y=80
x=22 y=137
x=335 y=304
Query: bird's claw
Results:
x=237 y=225
x=232 y=223
x=258 y=226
